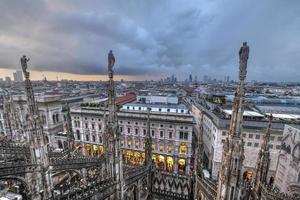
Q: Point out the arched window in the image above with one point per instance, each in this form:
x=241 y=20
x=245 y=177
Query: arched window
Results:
x=60 y=145
x=53 y=119
x=78 y=134
x=57 y=117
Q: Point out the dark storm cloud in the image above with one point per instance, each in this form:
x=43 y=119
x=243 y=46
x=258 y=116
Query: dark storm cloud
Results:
x=150 y=37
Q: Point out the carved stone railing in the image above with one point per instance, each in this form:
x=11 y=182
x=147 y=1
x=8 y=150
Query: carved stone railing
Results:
x=268 y=193
x=206 y=187
x=16 y=168
x=75 y=163
x=98 y=190
x=134 y=174
x=12 y=148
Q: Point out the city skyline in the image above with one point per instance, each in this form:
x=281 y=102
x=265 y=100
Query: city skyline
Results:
x=150 y=39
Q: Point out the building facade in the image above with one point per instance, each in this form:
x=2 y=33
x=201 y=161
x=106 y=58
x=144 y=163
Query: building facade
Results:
x=287 y=177
x=171 y=134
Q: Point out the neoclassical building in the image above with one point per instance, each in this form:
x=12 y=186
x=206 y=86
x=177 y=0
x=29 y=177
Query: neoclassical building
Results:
x=171 y=128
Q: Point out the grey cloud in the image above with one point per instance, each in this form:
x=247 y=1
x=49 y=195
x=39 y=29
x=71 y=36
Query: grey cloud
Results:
x=180 y=37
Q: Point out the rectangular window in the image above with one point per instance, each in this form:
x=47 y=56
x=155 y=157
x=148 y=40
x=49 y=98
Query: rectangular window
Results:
x=255 y=144
x=249 y=144
x=186 y=135
x=250 y=135
x=121 y=129
x=87 y=137
x=257 y=137
x=94 y=138
x=86 y=125
x=161 y=134
x=128 y=130
x=144 y=131
x=78 y=134
x=170 y=135
x=152 y=133
x=100 y=139
x=279 y=139
x=99 y=126
x=223 y=133
x=136 y=131
x=93 y=126
x=271 y=146
x=278 y=147
x=181 y=135
x=272 y=138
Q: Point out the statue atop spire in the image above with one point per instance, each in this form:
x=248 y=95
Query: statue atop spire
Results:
x=233 y=148
x=24 y=61
x=111 y=63
x=244 y=55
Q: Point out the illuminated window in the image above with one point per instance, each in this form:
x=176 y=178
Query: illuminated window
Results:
x=183 y=149
x=170 y=149
x=129 y=144
x=137 y=145
x=161 y=148
x=153 y=147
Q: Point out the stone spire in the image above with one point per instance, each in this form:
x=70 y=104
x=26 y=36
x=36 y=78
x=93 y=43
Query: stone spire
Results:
x=37 y=142
x=263 y=160
x=233 y=148
x=112 y=138
x=148 y=146
x=68 y=128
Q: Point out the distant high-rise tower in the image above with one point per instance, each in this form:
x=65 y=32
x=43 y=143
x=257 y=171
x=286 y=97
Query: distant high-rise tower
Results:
x=18 y=76
x=190 y=78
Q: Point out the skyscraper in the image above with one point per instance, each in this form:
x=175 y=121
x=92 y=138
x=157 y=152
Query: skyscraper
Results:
x=190 y=78
x=18 y=76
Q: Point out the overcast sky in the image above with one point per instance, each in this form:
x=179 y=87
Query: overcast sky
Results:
x=151 y=37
